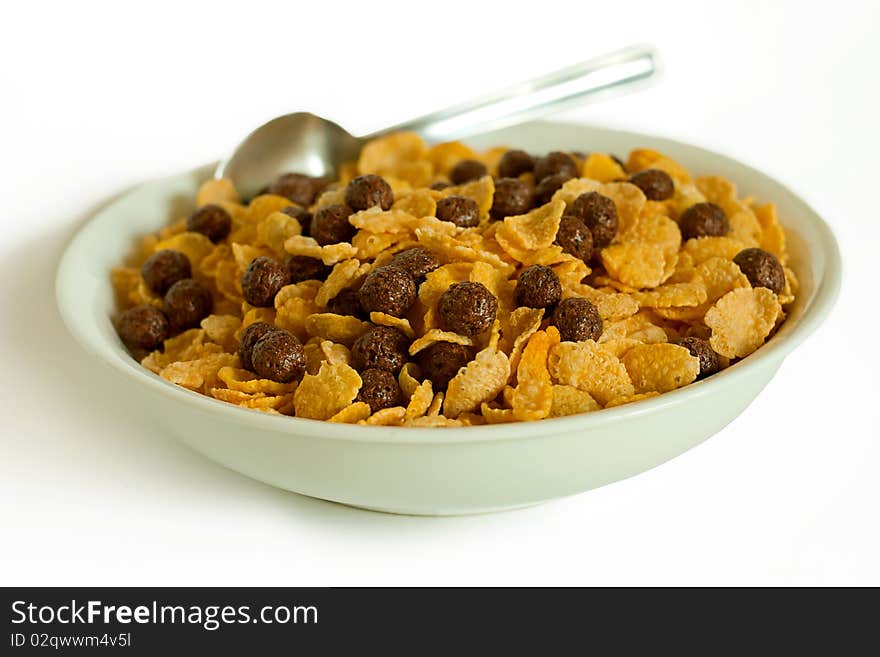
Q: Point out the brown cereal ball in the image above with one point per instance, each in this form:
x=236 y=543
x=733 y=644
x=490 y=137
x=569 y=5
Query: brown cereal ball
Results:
x=143 y=327
x=330 y=225
x=577 y=320
x=279 y=356
x=379 y=388
x=249 y=338
x=347 y=303
x=418 y=262
x=388 y=290
x=441 y=361
x=187 y=303
x=761 y=268
x=467 y=308
x=555 y=163
x=298 y=187
x=303 y=268
x=459 y=210
x=699 y=348
x=599 y=214
x=262 y=280
x=538 y=287
x=703 y=220
x=440 y=185
x=514 y=163
x=574 y=237
x=657 y=185
x=382 y=347
x=467 y=170
x=368 y=191
x=164 y=268
x=549 y=186
x=512 y=197
x=210 y=220
x=303 y=216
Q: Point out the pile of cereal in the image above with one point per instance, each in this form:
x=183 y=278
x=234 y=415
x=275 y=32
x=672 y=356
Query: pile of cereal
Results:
x=435 y=286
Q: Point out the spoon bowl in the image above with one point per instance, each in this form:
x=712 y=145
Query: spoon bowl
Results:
x=305 y=143
x=301 y=142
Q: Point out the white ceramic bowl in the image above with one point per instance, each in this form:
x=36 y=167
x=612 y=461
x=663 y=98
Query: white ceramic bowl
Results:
x=448 y=471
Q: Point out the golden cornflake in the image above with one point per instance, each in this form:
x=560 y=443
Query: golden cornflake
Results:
x=387 y=417
x=629 y=399
x=400 y=323
x=323 y=395
x=246 y=381
x=741 y=320
x=533 y=396
x=701 y=249
x=419 y=401
x=602 y=167
x=329 y=254
x=352 y=414
x=588 y=367
x=344 y=329
x=660 y=367
x=718 y=276
x=568 y=400
x=342 y=276
x=637 y=265
x=479 y=381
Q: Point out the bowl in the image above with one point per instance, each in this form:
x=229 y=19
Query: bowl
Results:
x=451 y=470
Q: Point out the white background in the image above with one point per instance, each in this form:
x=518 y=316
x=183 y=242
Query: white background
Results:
x=95 y=98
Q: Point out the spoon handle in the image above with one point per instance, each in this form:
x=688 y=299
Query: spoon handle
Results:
x=533 y=99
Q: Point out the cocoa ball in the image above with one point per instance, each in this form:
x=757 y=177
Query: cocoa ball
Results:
x=330 y=225
x=262 y=280
x=382 y=347
x=368 y=191
x=379 y=388
x=537 y=287
x=187 y=303
x=657 y=185
x=467 y=170
x=459 y=210
x=512 y=197
x=347 y=303
x=555 y=163
x=549 y=186
x=418 y=262
x=164 y=268
x=143 y=327
x=599 y=214
x=574 y=237
x=298 y=187
x=210 y=220
x=441 y=362
x=514 y=163
x=388 y=290
x=761 y=268
x=249 y=338
x=703 y=220
x=303 y=268
x=279 y=356
x=467 y=308
x=577 y=320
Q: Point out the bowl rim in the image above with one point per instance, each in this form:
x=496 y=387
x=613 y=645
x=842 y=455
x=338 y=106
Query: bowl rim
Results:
x=784 y=341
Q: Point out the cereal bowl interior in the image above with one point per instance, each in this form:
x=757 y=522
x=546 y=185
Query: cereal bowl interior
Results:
x=449 y=470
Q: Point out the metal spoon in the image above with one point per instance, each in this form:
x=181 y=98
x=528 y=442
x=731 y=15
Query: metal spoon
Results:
x=310 y=144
